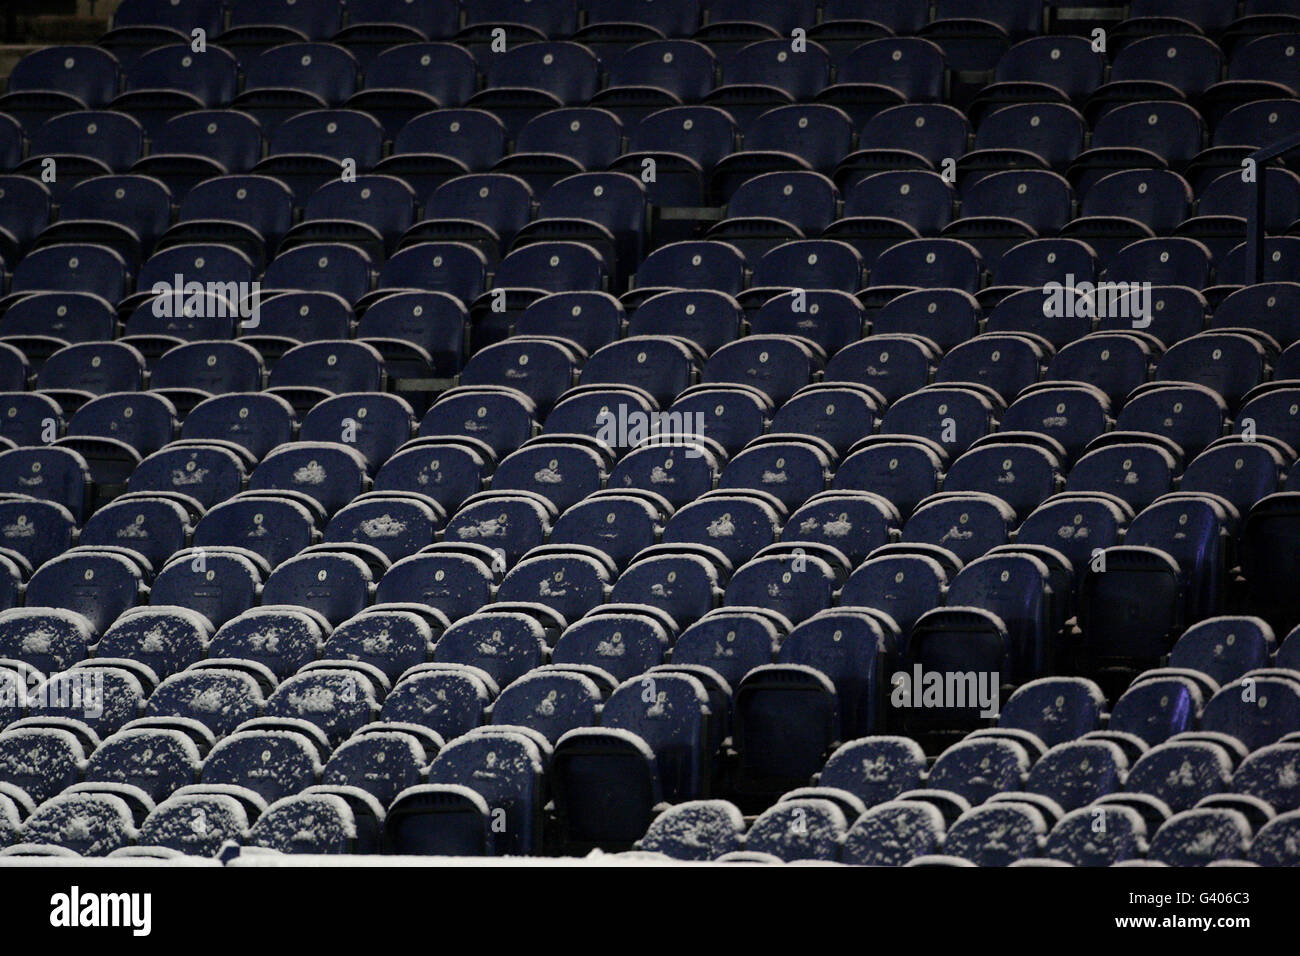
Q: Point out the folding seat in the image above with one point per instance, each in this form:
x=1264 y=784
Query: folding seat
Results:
x=335 y=699
x=930 y=264
x=107 y=584
x=968 y=525
x=550 y=701
x=436 y=820
x=707 y=318
x=504 y=644
x=399 y=86
x=219 y=584
x=893 y=833
x=41 y=761
x=72 y=268
x=799 y=830
x=1030 y=134
x=1274 y=843
x=997 y=834
x=154 y=527
x=1199 y=837
x=1007 y=363
x=257 y=422
x=1157 y=708
x=1229 y=363
x=1071 y=413
x=1161 y=261
x=1253 y=123
x=440 y=145
x=316 y=823
x=664 y=367
x=529 y=79
x=219 y=697
x=787 y=719
x=320 y=267
x=89 y=824
x=511 y=523
x=1265 y=307
x=887 y=72
x=552 y=267
x=383 y=762
x=329 y=472
x=1156 y=198
x=1156 y=66
x=729 y=641
x=48 y=639
x=1146 y=134
x=272 y=762
x=56 y=474
x=778 y=365
x=1228 y=196
x=685 y=585
x=1113 y=362
x=570 y=582
x=337 y=367
x=685 y=142
x=796 y=585
x=215 y=368
x=667 y=713
x=103 y=698
x=1001 y=210
x=854 y=522
x=1061 y=63
x=1056 y=709
x=1268 y=773
x=679 y=471
x=936 y=132
x=901 y=470
x=212 y=80
x=446 y=470
x=563 y=142
x=506 y=771
x=391 y=640
x=1240 y=472
x=1077 y=772
x=455 y=583
x=280 y=638
x=697 y=830
x=618 y=525
x=791 y=467
x=371 y=212
x=1084 y=837
x=767 y=72
x=87 y=75
x=1191 y=415
x=1024 y=476
x=167 y=639
x=374 y=423
x=26 y=212
x=293 y=78
x=979 y=767
x=205 y=473
x=27 y=418
x=775 y=207
x=1279 y=262
x=838 y=414
x=792 y=137
x=114 y=139
x=623 y=644
x=125 y=213
x=246 y=522
x=251 y=212
x=828 y=317
x=951 y=416
x=321 y=21
x=1256 y=710
x=336 y=584
x=171 y=824
x=606 y=211
x=447 y=698
x=701 y=265
x=876 y=769
x=1172 y=313
x=483 y=209
x=563 y=473
x=452 y=268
